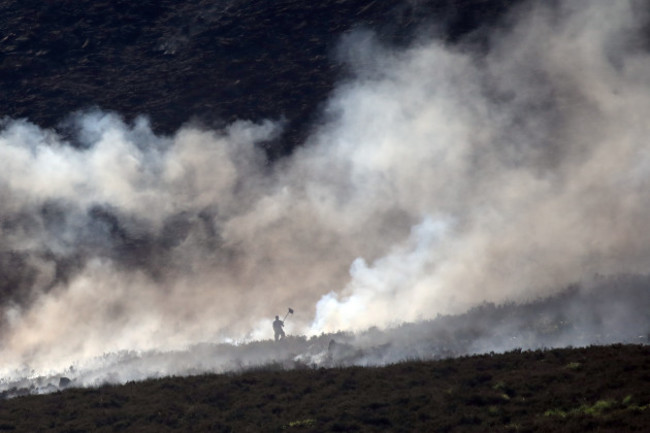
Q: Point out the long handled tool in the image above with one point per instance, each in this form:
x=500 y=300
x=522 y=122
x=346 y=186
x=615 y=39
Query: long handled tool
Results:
x=288 y=312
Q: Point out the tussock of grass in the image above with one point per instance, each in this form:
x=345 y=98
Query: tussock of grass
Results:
x=556 y=412
x=599 y=408
x=300 y=423
x=574 y=365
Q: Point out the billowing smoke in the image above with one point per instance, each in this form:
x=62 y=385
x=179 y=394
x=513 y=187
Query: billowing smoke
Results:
x=440 y=176
x=525 y=166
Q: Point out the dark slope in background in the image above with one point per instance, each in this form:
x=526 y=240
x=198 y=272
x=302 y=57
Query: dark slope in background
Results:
x=207 y=61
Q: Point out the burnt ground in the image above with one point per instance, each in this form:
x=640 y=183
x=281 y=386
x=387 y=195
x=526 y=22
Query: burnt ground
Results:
x=199 y=60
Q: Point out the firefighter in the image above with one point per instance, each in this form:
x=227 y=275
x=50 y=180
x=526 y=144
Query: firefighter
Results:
x=277 y=328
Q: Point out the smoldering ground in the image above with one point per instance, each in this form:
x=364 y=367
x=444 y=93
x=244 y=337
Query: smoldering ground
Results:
x=439 y=177
x=605 y=310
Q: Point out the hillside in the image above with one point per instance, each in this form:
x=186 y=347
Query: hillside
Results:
x=599 y=389
x=612 y=312
x=451 y=195
x=199 y=60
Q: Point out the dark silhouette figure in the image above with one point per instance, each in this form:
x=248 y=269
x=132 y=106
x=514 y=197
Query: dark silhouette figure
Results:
x=277 y=328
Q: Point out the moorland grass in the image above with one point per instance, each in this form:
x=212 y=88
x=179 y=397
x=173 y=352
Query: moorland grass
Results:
x=602 y=389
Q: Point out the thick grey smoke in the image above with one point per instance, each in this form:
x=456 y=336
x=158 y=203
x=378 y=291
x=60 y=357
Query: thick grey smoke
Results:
x=441 y=177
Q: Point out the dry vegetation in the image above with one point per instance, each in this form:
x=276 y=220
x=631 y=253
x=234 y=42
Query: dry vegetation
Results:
x=602 y=389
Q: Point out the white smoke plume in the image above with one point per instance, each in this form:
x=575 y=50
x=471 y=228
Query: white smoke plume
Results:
x=531 y=157
x=440 y=177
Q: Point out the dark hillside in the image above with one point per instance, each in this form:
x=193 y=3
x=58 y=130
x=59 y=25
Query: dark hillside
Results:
x=600 y=389
x=197 y=59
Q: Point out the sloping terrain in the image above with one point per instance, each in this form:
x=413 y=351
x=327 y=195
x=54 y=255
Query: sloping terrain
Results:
x=217 y=62
x=198 y=60
x=614 y=312
x=600 y=389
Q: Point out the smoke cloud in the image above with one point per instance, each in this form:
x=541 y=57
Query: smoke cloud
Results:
x=440 y=177
x=530 y=159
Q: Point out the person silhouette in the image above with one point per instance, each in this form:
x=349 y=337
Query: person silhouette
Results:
x=277 y=328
